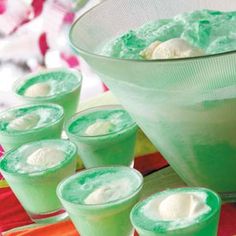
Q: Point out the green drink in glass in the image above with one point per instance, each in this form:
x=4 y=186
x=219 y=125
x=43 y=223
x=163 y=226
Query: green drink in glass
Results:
x=105 y=135
x=33 y=172
x=23 y=124
x=179 y=212
x=60 y=86
x=99 y=200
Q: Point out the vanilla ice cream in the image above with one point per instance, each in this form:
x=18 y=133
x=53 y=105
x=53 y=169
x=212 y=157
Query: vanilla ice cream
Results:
x=46 y=157
x=38 y=90
x=24 y=122
x=100 y=127
x=116 y=189
x=177 y=206
x=173 y=48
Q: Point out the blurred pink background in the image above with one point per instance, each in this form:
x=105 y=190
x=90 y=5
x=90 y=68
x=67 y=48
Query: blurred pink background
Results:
x=34 y=36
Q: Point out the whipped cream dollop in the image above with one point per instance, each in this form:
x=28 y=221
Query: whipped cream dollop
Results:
x=177 y=206
x=46 y=157
x=38 y=90
x=100 y=127
x=173 y=48
x=116 y=189
x=25 y=122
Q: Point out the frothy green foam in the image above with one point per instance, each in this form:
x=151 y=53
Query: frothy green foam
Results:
x=40 y=116
x=212 y=31
x=118 y=119
x=60 y=82
x=16 y=161
x=78 y=187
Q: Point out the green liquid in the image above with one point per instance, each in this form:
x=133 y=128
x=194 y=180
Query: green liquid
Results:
x=114 y=148
x=205 y=224
x=109 y=218
x=48 y=126
x=65 y=89
x=47 y=114
x=121 y=120
x=35 y=187
x=186 y=107
x=212 y=31
x=197 y=140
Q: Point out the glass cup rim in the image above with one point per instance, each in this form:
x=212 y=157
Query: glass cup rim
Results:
x=106 y=204
x=41 y=172
x=177 y=190
x=68 y=123
x=24 y=132
x=21 y=81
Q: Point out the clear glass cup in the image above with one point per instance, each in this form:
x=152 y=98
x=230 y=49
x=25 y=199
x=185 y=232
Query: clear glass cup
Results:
x=186 y=107
x=109 y=218
x=36 y=190
x=114 y=148
x=67 y=98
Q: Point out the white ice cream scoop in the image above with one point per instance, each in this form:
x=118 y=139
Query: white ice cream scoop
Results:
x=24 y=122
x=173 y=48
x=46 y=157
x=38 y=90
x=100 y=195
x=177 y=206
x=181 y=205
x=100 y=127
x=109 y=192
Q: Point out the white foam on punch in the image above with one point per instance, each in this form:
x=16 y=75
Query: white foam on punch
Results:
x=111 y=191
x=38 y=90
x=100 y=127
x=46 y=157
x=24 y=122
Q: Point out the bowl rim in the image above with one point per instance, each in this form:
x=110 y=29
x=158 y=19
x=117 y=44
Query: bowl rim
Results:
x=99 y=56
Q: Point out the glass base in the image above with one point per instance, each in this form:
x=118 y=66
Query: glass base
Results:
x=228 y=196
x=49 y=217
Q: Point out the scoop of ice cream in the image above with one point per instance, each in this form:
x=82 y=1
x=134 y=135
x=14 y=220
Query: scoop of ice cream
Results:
x=24 y=122
x=147 y=52
x=100 y=127
x=181 y=205
x=173 y=48
x=38 y=90
x=109 y=192
x=46 y=157
x=177 y=206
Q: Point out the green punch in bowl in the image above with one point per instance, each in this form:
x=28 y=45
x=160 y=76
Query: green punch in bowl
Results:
x=185 y=106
